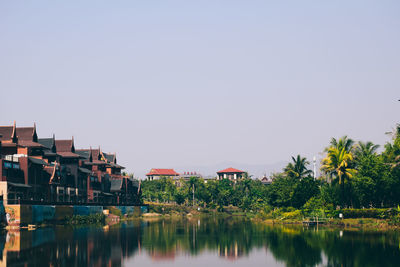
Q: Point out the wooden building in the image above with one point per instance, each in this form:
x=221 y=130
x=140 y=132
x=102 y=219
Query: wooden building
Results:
x=22 y=166
x=46 y=170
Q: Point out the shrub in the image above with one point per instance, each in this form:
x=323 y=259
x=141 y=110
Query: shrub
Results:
x=369 y=213
x=295 y=214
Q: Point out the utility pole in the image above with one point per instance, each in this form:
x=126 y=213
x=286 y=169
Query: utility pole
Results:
x=315 y=167
x=193 y=193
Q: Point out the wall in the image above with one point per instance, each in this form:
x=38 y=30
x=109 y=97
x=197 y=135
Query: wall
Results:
x=17 y=215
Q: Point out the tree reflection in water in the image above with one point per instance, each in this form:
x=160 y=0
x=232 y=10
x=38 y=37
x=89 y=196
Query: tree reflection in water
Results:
x=231 y=239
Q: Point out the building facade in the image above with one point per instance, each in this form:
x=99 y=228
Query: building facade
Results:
x=50 y=171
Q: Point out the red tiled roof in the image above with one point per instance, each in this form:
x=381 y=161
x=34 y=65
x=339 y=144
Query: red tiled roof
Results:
x=231 y=170
x=68 y=154
x=8 y=144
x=163 y=172
x=6 y=132
x=28 y=143
x=25 y=133
x=64 y=145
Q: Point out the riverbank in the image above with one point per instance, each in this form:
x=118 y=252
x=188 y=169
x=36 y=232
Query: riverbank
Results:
x=363 y=219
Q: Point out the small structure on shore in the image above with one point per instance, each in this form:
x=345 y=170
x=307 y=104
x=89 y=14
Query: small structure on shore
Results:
x=265 y=181
x=231 y=174
x=156 y=174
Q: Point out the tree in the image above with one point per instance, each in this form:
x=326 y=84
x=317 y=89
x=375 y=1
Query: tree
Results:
x=343 y=143
x=281 y=191
x=298 y=168
x=365 y=149
x=179 y=197
x=303 y=191
x=338 y=163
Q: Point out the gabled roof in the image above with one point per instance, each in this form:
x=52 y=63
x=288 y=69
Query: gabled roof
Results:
x=27 y=133
x=65 y=145
x=28 y=143
x=84 y=153
x=162 y=172
x=96 y=154
x=46 y=142
x=8 y=133
x=231 y=170
x=68 y=154
x=110 y=157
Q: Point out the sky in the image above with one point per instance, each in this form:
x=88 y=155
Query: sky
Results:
x=184 y=83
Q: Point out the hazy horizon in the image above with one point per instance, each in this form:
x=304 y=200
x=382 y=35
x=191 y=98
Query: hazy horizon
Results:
x=169 y=84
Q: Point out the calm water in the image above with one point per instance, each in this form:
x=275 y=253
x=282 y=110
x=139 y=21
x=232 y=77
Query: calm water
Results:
x=192 y=242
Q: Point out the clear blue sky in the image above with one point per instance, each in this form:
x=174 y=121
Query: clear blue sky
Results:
x=167 y=83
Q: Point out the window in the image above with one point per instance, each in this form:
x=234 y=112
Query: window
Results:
x=7 y=164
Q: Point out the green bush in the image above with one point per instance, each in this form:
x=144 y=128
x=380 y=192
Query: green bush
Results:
x=295 y=214
x=369 y=213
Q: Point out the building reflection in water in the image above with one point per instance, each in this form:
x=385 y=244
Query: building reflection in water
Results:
x=166 y=240
x=65 y=246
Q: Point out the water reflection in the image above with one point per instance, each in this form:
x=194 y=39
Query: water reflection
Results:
x=221 y=240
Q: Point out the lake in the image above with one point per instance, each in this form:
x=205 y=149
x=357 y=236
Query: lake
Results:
x=201 y=242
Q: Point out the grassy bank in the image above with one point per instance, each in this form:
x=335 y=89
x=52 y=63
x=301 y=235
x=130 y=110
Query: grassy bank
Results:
x=379 y=219
x=174 y=210
x=349 y=218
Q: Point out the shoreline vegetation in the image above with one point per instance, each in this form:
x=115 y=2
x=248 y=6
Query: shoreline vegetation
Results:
x=379 y=219
x=357 y=185
x=355 y=219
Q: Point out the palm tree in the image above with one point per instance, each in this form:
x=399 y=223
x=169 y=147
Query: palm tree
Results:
x=392 y=150
x=344 y=142
x=364 y=149
x=338 y=163
x=298 y=168
x=395 y=132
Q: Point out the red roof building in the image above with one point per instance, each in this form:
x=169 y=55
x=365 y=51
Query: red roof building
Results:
x=158 y=173
x=231 y=174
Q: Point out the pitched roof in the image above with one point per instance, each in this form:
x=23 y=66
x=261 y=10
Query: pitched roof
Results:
x=110 y=157
x=65 y=145
x=96 y=154
x=27 y=133
x=84 y=153
x=231 y=170
x=6 y=132
x=68 y=154
x=38 y=161
x=163 y=172
x=28 y=143
x=46 y=142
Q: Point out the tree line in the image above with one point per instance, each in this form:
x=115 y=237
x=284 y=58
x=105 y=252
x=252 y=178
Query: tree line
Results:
x=353 y=175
